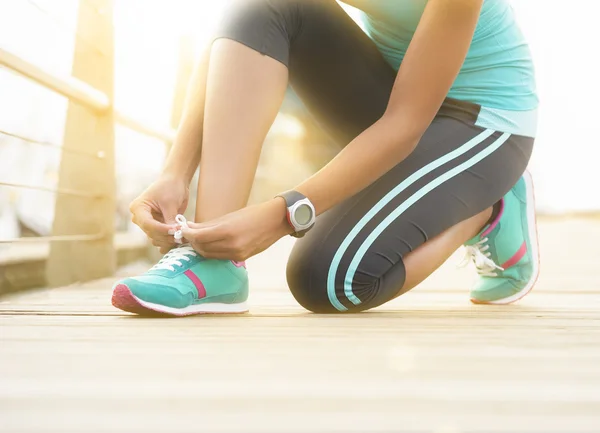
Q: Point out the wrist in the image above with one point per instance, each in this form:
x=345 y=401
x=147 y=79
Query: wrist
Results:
x=181 y=164
x=280 y=220
x=300 y=212
x=176 y=174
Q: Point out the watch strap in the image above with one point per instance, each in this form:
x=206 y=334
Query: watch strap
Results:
x=290 y=198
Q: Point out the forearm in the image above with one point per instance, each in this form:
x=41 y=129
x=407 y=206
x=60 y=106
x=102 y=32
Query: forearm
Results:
x=429 y=68
x=368 y=157
x=184 y=157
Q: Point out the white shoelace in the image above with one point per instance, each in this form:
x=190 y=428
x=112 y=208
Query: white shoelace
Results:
x=175 y=257
x=184 y=225
x=479 y=255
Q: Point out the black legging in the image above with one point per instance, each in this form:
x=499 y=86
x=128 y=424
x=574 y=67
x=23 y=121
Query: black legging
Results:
x=352 y=260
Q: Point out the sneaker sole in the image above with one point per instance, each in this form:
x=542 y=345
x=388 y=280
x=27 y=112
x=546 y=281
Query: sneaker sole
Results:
x=123 y=299
x=535 y=249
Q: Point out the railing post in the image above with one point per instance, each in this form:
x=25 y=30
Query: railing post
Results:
x=91 y=132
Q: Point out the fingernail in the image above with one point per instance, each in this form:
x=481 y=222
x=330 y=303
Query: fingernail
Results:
x=171 y=231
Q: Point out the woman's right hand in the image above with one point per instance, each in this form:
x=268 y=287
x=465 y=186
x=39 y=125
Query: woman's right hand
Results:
x=154 y=211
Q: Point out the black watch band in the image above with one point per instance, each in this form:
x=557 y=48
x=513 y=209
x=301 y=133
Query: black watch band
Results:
x=291 y=198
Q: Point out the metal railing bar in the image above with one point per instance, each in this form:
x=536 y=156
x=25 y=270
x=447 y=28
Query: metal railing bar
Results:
x=99 y=155
x=65 y=238
x=52 y=190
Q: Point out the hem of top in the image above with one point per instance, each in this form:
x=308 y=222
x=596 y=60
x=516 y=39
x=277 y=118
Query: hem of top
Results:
x=518 y=122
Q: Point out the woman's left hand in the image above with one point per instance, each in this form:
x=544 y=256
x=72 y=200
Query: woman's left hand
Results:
x=240 y=234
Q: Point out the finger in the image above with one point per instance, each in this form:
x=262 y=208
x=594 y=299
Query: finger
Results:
x=162 y=238
x=197 y=226
x=169 y=214
x=163 y=241
x=142 y=216
x=163 y=244
x=204 y=235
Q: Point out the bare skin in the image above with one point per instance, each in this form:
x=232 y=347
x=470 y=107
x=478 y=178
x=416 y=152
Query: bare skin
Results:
x=423 y=261
x=238 y=97
x=246 y=90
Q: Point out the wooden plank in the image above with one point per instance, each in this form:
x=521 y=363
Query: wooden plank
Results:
x=94 y=133
x=427 y=362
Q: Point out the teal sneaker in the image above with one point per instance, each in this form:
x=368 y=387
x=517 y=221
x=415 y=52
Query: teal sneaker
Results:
x=184 y=283
x=506 y=253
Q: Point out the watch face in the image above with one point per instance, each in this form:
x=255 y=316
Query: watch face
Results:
x=303 y=214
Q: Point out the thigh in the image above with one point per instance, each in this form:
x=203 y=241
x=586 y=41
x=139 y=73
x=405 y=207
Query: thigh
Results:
x=334 y=67
x=352 y=259
x=337 y=71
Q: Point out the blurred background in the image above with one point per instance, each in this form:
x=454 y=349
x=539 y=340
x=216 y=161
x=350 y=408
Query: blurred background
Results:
x=153 y=48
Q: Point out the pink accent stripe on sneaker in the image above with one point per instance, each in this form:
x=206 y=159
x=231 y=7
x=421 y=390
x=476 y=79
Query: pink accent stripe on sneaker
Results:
x=199 y=286
x=494 y=223
x=515 y=259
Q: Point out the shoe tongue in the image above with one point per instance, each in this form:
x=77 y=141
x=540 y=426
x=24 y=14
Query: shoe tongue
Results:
x=192 y=257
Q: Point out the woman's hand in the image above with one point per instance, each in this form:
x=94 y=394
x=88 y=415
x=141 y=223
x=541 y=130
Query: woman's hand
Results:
x=241 y=234
x=154 y=211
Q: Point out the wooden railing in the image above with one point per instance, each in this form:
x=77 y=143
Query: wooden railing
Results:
x=81 y=246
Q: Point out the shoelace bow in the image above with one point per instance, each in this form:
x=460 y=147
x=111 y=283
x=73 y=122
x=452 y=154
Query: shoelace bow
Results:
x=184 y=225
x=479 y=255
x=176 y=256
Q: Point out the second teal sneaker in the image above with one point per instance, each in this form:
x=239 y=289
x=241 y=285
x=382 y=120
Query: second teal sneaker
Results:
x=184 y=283
x=505 y=253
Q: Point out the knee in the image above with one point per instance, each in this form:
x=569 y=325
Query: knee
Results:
x=307 y=281
x=320 y=287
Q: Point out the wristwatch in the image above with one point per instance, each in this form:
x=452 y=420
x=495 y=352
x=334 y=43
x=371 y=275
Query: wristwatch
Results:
x=300 y=212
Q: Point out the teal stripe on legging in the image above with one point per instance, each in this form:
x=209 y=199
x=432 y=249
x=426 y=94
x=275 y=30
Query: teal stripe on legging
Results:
x=335 y=263
x=368 y=242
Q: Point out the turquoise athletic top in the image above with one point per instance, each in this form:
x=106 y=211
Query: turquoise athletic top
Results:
x=498 y=71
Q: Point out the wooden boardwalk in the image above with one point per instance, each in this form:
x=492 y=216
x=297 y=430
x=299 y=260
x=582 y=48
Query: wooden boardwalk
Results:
x=428 y=362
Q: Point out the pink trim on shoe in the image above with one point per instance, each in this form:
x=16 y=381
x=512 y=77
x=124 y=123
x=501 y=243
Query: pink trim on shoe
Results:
x=515 y=259
x=494 y=223
x=239 y=264
x=199 y=286
x=123 y=299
